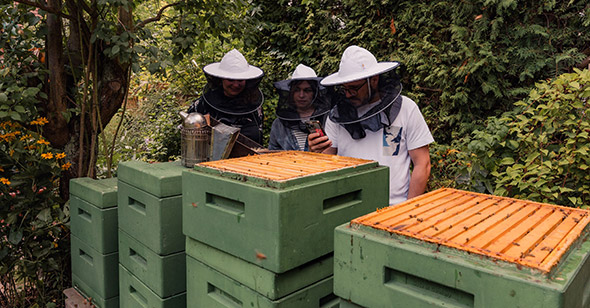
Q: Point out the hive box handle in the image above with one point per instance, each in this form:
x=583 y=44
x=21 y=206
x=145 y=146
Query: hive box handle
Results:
x=137 y=296
x=84 y=215
x=339 y=202
x=222 y=297
x=138 y=206
x=231 y=206
x=86 y=257
x=431 y=291
x=137 y=258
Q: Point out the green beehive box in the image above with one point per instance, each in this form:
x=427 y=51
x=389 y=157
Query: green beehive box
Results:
x=450 y=248
x=209 y=288
x=155 y=222
x=93 y=225
x=135 y=293
x=263 y=281
x=282 y=217
x=164 y=275
x=159 y=179
x=92 y=296
x=97 y=271
x=100 y=193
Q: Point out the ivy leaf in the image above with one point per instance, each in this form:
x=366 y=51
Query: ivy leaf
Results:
x=15 y=236
x=44 y=215
x=507 y=161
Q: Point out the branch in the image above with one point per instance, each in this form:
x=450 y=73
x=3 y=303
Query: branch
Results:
x=157 y=18
x=45 y=8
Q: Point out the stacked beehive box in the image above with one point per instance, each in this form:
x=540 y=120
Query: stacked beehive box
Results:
x=152 y=270
x=93 y=212
x=452 y=248
x=260 y=228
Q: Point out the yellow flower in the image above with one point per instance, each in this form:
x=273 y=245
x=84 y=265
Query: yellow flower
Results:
x=47 y=155
x=43 y=141
x=60 y=155
x=66 y=166
x=40 y=121
x=5 y=181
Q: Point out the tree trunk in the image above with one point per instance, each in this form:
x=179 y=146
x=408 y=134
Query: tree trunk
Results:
x=78 y=137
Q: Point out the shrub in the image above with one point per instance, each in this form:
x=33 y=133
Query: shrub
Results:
x=539 y=150
x=34 y=241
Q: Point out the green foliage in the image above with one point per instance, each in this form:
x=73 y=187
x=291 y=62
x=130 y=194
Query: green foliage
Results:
x=34 y=241
x=149 y=131
x=464 y=60
x=539 y=151
x=20 y=64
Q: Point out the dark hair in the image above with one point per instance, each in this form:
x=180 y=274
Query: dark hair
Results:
x=293 y=84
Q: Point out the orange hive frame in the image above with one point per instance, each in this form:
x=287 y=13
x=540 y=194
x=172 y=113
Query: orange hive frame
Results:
x=527 y=233
x=281 y=166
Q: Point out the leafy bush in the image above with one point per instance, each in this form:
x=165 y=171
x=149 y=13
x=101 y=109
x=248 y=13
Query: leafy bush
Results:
x=149 y=130
x=465 y=60
x=540 y=150
x=34 y=236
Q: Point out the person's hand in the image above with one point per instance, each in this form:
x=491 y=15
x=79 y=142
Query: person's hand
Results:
x=318 y=143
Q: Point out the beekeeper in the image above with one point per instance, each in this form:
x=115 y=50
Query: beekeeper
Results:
x=372 y=120
x=301 y=99
x=232 y=96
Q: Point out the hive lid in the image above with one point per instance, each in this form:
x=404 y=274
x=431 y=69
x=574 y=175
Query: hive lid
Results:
x=279 y=168
x=535 y=235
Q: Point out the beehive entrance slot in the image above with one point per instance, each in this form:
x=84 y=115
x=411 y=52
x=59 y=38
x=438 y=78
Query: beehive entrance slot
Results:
x=341 y=201
x=222 y=297
x=228 y=205
x=434 y=292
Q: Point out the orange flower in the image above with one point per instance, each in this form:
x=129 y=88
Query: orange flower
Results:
x=40 y=121
x=5 y=181
x=43 y=141
x=47 y=155
x=1 y=169
x=66 y=166
x=60 y=155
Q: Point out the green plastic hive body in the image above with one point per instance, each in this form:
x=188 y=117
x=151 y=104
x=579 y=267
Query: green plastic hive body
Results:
x=100 y=193
x=136 y=294
x=164 y=275
x=207 y=287
x=93 y=225
x=263 y=281
x=155 y=222
x=97 y=271
x=278 y=225
x=92 y=296
x=374 y=268
x=159 y=179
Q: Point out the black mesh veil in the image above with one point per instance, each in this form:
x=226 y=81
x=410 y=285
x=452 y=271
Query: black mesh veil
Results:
x=286 y=109
x=345 y=114
x=248 y=101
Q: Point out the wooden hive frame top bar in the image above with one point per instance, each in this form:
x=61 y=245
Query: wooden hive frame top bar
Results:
x=285 y=165
x=535 y=235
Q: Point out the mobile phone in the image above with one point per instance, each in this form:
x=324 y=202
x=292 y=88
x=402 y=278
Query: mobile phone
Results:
x=314 y=126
